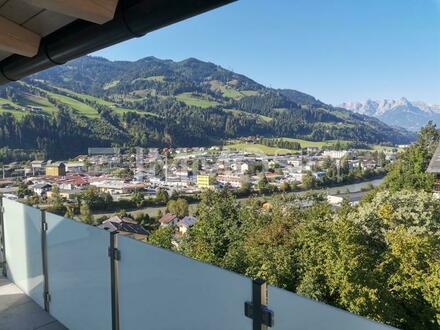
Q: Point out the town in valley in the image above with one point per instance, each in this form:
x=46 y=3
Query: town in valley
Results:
x=136 y=190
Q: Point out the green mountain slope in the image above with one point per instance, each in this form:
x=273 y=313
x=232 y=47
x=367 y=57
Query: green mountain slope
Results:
x=153 y=102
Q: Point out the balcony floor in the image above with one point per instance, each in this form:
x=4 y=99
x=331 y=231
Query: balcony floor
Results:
x=18 y=311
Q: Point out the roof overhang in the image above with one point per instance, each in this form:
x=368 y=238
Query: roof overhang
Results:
x=38 y=34
x=434 y=164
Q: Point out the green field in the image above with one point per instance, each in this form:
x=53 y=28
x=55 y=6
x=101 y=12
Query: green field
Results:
x=259 y=149
x=249 y=93
x=82 y=108
x=26 y=101
x=16 y=113
x=152 y=78
x=111 y=84
x=261 y=117
x=115 y=108
x=305 y=144
x=38 y=101
x=156 y=78
x=196 y=100
x=319 y=144
x=230 y=92
x=378 y=147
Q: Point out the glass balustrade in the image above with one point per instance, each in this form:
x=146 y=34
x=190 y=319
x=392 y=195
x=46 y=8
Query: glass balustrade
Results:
x=153 y=288
x=175 y=292
x=78 y=274
x=22 y=225
x=297 y=312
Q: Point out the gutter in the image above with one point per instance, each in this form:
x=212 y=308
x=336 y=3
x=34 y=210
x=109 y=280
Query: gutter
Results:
x=133 y=19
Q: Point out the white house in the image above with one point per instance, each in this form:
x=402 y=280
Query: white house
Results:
x=244 y=168
x=229 y=179
x=41 y=188
x=75 y=167
x=335 y=154
x=297 y=177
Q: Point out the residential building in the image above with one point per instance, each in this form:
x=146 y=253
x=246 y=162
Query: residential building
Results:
x=313 y=150
x=168 y=220
x=74 y=182
x=37 y=167
x=125 y=227
x=186 y=223
x=434 y=168
x=67 y=194
x=297 y=177
x=75 y=167
x=205 y=181
x=296 y=162
x=231 y=180
x=244 y=168
x=335 y=154
x=116 y=186
x=41 y=188
x=56 y=169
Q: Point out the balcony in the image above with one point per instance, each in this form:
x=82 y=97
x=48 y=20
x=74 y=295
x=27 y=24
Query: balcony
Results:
x=88 y=278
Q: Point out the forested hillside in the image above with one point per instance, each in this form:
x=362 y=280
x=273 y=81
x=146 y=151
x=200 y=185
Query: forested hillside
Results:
x=153 y=103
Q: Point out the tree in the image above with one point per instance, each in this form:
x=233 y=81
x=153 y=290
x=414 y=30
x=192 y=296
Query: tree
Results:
x=70 y=211
x=263 y=184
x=285 y=187
x=158 y=170
x=57 y=204
x=309 y=181
x=23 y=190
x=123 y=173
x=428 y=137
x=162 y=196
x=95 y=199
x=196 y=166
x=146 y=221
x=215 y=229
x=85 y=214
x=409 y=171
x=328 y=162
x=245 y=187
x=178 y=207
x=138 y=199
x=162 y=237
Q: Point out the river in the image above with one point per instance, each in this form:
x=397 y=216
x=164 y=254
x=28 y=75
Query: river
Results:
x=352 y=188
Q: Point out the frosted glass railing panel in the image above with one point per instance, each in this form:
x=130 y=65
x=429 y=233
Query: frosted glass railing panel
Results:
x=79 y=274
x=295 y=312
x=23 y=248
x=162 y=290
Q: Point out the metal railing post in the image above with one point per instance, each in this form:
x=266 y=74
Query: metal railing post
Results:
x=257 y=310
x=2 y=239
x=114 y=255
x=46 y=295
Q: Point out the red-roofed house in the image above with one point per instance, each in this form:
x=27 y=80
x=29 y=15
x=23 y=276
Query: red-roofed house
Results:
x=168 y=219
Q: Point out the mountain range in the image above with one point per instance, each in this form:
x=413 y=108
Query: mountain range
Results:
x=151 y=102
x=402 y=113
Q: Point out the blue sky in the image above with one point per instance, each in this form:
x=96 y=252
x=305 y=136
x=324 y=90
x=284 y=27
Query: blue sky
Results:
x=335 y=50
